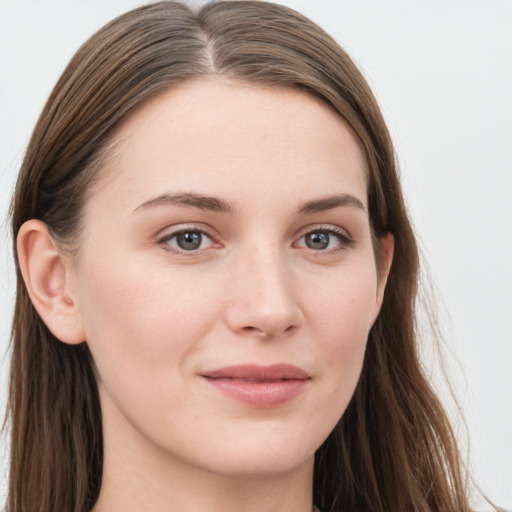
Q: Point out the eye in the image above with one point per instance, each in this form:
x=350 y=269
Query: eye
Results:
x=324 y=240
x=187 y=240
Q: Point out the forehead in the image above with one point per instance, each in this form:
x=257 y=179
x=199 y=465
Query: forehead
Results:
x=225 y=138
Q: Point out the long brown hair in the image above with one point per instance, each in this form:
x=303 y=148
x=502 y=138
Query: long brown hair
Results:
x=393 y=448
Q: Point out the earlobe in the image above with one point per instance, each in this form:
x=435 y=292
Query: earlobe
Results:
x=46 y=278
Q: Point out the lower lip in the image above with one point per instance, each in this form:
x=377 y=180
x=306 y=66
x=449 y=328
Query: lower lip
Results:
x=260 y=393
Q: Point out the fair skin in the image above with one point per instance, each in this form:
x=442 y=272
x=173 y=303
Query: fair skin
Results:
x=168 y=287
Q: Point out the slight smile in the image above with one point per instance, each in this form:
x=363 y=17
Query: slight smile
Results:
x=259 y=386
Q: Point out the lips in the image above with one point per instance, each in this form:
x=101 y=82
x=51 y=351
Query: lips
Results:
x=259 y=386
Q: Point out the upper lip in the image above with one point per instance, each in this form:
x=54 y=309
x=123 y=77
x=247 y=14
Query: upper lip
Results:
x=256 y=372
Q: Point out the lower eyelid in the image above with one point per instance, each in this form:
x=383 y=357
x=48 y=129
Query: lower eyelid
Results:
x=166 y=238
x=344 y=239
x=340 y=234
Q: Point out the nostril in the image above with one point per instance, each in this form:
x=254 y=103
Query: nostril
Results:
x=265 y=333
x=269 y=333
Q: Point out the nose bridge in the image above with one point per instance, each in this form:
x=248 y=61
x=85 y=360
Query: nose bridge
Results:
x=264 y=301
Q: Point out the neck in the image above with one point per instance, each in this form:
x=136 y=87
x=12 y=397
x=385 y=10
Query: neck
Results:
x=190 y=490
x=138 y=476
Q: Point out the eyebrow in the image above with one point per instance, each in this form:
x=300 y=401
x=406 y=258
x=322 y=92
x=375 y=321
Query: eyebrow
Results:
x=212 y=204
x=331 y=202
x=217 y=205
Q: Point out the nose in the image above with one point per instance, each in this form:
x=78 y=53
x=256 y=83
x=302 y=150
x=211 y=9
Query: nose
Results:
x=263 y=301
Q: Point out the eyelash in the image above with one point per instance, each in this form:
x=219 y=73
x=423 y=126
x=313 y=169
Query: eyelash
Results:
x=344 y=240
x=164 y=241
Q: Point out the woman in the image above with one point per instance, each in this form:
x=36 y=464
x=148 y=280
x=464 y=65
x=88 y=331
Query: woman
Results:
x=217 y=280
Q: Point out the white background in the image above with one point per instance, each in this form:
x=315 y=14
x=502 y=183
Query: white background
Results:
x=442 y=72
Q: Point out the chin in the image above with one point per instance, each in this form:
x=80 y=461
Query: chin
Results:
x=263 y=465
x=261 y=454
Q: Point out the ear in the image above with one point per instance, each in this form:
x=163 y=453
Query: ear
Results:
x=387 y=243
x=46 y=277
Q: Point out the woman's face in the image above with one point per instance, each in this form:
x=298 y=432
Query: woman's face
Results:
x=226 y=279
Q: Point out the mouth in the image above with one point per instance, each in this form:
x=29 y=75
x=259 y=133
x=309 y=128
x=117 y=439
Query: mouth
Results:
x=259 y=386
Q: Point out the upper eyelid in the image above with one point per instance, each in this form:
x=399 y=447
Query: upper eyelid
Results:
x=345 y=240
x=171 y=231
x=323 y=227
x=164 y=241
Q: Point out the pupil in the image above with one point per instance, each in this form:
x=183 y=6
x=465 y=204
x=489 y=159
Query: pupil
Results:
x=189 y=240
x=317 y=240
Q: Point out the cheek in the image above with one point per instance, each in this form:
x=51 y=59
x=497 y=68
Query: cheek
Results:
x=340 y=317
x=143 y=319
